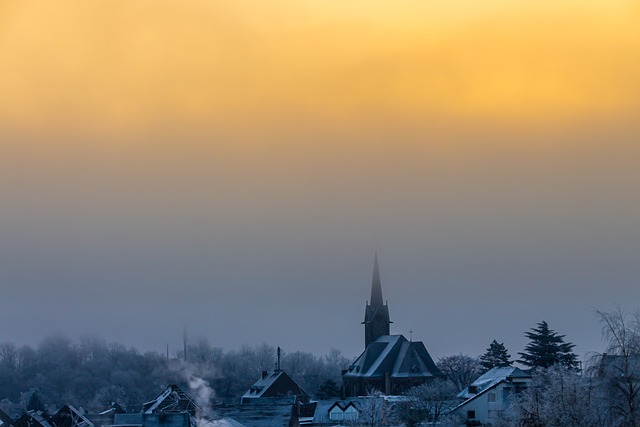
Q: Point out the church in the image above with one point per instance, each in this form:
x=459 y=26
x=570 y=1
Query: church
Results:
x=389 y=363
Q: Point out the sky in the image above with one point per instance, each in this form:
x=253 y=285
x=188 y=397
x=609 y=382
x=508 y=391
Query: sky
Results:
x=232 y=167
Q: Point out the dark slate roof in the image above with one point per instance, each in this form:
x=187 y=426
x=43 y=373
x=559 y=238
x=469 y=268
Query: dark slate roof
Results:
x=172 y=400
x=5 y=420
x=395 y=354
x=69 y=416
x=265 y=412
x=274 y=384
x=33 y=419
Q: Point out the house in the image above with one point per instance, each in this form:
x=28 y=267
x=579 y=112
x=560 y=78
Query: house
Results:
x=171 y=408
x=343 y=411
x=158 y=419
x=262 y=412
x=172 y=400
x=390 y=363
x=272 y=384
x=353 y=410
x=487 y=396
x=69 y=416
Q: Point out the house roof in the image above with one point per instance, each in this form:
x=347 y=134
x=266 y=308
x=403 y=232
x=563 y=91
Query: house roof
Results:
x=172 y=399
x=37 y=416
x=271 y=412
x=269 y=380
x=5 y=420
x=490 y=380
x=394 y=354
x=69 y=416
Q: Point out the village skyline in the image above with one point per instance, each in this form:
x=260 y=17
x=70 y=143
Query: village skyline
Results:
x=232 y=167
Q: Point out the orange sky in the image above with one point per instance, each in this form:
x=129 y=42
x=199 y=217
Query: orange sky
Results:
x=121 y=64
x=250 y=149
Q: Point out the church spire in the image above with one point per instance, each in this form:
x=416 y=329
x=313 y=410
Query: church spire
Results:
x=376 y=315
x=376 y=285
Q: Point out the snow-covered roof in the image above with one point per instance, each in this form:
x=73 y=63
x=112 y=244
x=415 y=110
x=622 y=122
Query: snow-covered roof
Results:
x=172 y=399
x=274 y=384
x=490 y=379
x=396 y=355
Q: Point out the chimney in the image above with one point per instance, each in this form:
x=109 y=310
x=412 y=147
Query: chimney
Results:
x=264 y=374
x=278 y=367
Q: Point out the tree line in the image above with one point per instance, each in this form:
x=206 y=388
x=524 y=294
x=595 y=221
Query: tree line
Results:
x=93 y=373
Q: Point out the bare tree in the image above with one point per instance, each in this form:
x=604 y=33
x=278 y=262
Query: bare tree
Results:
x=427 y=402
x=460 y=369
x=371 y=410
x=620 y=365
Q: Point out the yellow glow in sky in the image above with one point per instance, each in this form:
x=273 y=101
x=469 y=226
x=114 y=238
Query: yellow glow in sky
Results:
x=122 y=63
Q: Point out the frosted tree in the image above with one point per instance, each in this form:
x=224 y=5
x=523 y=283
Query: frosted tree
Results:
x=620 y=366
x=427 y=402
x=460 y=369
x=559 y=397
x=546 y=348
x=495 y=356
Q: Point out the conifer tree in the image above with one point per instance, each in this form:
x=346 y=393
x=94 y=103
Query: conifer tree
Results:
x=546 y=348
x=495 y=356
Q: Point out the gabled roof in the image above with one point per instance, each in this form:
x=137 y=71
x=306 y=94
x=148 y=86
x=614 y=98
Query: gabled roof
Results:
x=32 y=416
x=274 y=384
x=396 y=355
x=5 y=420
x=69 y=416
x=491 y=380
x=173 y=399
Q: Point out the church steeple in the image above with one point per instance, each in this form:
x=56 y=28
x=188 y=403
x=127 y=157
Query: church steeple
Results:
x=376 y=315
x=376 y=286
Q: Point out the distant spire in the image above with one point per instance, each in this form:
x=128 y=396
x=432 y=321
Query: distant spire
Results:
x=376 y=285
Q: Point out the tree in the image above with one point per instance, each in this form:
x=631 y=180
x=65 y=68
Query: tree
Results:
x=546 y=348
x=558 y=397
x=328 y=389
x=495 y=356
x=460 y=369
x=35 y=403
x=427 y=402
x=371 y=410
x=620 y=366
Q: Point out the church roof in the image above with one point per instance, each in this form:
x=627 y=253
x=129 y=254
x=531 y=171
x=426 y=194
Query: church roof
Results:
x=398 y=356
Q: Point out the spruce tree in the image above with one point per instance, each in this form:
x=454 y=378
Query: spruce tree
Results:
x=546 y=348
x=496 y=356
